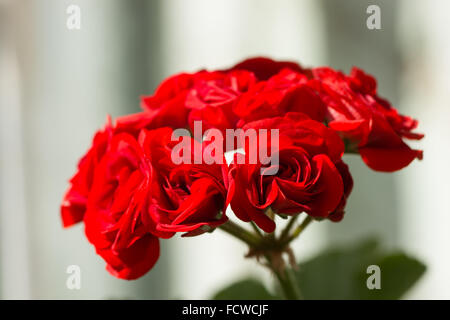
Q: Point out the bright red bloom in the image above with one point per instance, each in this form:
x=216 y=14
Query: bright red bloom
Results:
x=265 y=68
x=213 y=96
x=347 y=179
x=191 y=198
x=74 y=203
x=75 y=199
x=129 y=193
x=202 y=96
x=166 y=107
x=308 y=179
x=117 y=222
x=366 y=120
x=287 y=91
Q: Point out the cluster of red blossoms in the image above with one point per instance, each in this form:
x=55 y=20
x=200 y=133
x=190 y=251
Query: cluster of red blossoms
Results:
x=129 y=193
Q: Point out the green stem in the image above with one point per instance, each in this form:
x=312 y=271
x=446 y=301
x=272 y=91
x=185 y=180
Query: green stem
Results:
x=288 y=228
x=255 y=227
x=271 y=215
x=299 y=229
x=284 y=274
x=287 y=280
x=289 y=285
x=240 y=233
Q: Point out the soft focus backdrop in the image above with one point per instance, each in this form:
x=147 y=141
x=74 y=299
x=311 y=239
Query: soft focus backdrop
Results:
x=58 y=85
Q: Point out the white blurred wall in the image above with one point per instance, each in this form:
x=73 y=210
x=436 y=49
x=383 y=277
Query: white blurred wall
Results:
x=69 y=82
x=423 y=34
x=56 y=87
x=14 y=260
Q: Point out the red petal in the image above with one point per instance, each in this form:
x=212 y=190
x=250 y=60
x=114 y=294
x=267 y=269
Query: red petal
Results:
x=135 y=261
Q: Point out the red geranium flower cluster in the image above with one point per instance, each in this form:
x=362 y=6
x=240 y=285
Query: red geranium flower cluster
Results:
x=129 y=193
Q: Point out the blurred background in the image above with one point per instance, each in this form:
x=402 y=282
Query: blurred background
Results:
x=57 y=86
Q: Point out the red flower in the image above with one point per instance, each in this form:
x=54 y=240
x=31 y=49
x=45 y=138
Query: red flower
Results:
x=365 y=119
x=220 y=98
x=166 y=107
x=213 y=96
x=265 y=68
x=308 y=178
x=75 y=199
x=191 y=198
x=129 y=193
x=287 y=91
x=74 y=203
x=347 y=179
x=202 y=96
x=117 y=221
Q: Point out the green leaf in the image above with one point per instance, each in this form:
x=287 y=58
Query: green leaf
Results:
x=341 y=273
x=398 y=274
x=248 y=289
